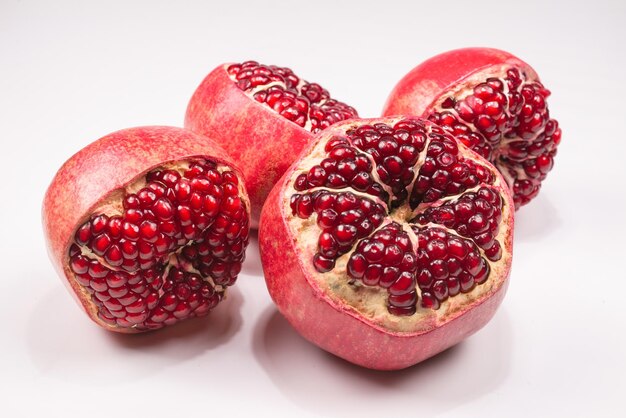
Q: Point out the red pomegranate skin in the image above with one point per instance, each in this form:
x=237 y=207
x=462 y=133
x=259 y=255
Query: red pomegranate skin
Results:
x=106 y=165
x=424 y=84
x=263 y=143
x=337 y=328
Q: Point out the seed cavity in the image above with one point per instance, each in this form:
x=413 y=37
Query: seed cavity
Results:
x=436 y=236
x=178 y=244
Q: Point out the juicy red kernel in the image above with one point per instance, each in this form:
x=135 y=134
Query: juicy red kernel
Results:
x=395 y=149
x=306 y=104
x=509 y=115
x=386 y=259
x=126 y=280
x=447 y=265
x=344 y=167
x=475 y=215
x=445 y=172
x=343 y=217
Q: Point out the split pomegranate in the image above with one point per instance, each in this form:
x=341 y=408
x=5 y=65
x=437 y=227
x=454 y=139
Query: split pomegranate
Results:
x=148 y=226
x=263 y=116
x=494 y=103
x=388 y=241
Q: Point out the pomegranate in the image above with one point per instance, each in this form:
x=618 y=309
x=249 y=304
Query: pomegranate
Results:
x=494 y=103
x=387 y=241
x=263 y=116
x=148 y=226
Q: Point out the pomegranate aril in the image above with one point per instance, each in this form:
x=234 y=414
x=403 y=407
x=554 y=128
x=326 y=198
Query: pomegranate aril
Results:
x=136 y=318
x=79 y=264
x=477 y=215
x=182 y=310
x=129 y=249
x=114 y=256
x=404 y=311
x=404 y=284
x=99 y=224
x=114 y=228
x=448 y=264
x=494 y=252
x=97 y=270
x=130 y=231
x=169 y=302
x=129 y=299
x=379 y=261
x=83 y=234
x=429 y=301
x=163 y=209
x=405 y=300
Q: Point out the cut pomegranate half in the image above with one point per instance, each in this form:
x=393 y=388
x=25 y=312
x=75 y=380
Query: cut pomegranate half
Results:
x=149 y=226
x=494 y=103
x=388 y=241
x=263 y=116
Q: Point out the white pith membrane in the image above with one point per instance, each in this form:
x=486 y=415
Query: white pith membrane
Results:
x=250 y=92
x=112 y=205
x=465 y=88
x=370 y=302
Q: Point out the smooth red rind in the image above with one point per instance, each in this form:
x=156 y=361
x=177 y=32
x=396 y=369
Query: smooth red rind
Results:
x=106 y=165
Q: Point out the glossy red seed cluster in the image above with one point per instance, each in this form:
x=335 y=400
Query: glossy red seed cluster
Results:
x=306 y=104
x=456 y=212
x=507 y=121
x=342 y=217
x=445 y=172
x=473 y=215
x=447 y=264
x=395 y=149
x=149 y=266
x=343 y=167
x=387 y=259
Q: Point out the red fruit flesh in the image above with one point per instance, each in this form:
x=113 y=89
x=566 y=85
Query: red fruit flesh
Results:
x=491 y=101
x=263 y=116
x=148 y=226
x=387 y=272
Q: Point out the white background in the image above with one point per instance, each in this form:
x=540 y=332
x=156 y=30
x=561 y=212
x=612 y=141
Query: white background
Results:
x=71 y=72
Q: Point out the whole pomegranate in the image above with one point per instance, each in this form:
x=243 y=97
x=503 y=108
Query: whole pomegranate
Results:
x=147 y=226
x=387 y=241
x=494 y=103
x=263 y=116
